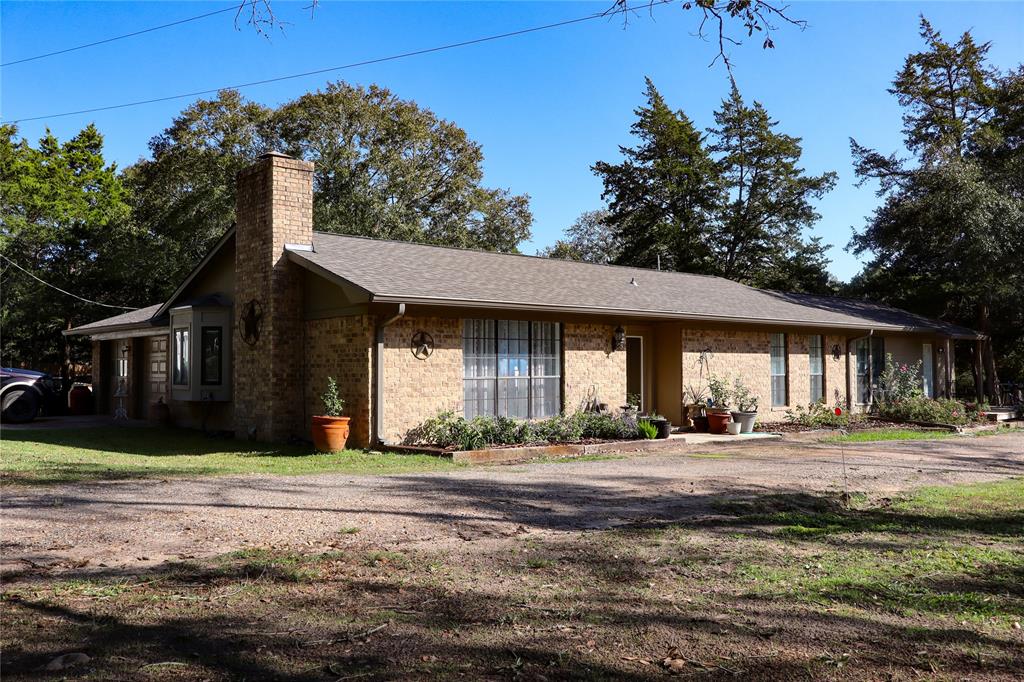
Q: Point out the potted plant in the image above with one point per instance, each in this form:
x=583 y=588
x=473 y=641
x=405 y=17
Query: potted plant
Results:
x=330 y=430
x=746 y=406
x=694 y=408
x=663 y=425
x=718 y=405
x=632 y=407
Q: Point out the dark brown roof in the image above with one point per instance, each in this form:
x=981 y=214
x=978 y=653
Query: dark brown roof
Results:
x=141 y=318
x=417 y=273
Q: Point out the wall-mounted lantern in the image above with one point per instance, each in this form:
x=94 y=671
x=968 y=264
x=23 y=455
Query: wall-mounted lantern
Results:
x=837 y=351
x=619 y=339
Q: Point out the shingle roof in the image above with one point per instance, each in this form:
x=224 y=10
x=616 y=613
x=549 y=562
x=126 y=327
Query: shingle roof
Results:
x=133 y=318
x=418 y=273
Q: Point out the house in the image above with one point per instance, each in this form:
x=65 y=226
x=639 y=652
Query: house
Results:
x=247 y=341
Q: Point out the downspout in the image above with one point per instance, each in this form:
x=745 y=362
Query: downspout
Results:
x=378 y=375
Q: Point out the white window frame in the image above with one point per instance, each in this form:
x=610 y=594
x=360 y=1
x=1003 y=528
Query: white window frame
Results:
x=820 y=347
x=772 y=346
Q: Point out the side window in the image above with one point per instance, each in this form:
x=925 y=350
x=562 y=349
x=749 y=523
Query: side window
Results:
x=778 y=369
x=816 y=355
x=212 y=360
x=182 y=364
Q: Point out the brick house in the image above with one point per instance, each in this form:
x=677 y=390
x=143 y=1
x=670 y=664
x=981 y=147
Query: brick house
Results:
x=247 y=341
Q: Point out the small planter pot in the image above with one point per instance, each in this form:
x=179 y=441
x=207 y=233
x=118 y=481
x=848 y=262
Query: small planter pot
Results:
x=700 y=424
x=330 y=433
x=733 y=428
x=664 y=427
x=718 y=420
x=745 y=420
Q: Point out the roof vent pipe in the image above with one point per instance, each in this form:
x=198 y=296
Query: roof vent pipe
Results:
x=378 y=375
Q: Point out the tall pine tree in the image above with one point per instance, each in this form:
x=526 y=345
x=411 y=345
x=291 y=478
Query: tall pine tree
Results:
x=948 y=239
x=662 y=196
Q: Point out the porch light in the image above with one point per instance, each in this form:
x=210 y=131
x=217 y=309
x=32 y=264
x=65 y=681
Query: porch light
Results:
x=619 y=339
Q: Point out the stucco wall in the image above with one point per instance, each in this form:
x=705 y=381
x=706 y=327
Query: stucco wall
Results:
x=416 y=390
x=341 y=347
x=590 y=366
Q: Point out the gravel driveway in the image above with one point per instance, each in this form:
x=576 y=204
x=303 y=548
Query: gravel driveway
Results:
x=133 y=523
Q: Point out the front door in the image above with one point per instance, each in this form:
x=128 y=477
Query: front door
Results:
x=635 y=370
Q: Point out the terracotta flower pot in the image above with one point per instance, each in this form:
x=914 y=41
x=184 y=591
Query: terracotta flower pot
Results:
x=718 y=421
x=330 y=433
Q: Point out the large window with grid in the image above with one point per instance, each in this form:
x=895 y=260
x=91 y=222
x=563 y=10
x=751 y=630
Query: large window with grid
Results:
x=816 y=353
x=512 y=368
x=778 y=369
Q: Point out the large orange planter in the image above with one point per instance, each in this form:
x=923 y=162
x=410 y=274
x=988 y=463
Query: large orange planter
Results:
x=718 y=421
x=330 y=433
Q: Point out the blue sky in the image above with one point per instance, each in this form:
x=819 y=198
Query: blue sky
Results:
x=544 y=106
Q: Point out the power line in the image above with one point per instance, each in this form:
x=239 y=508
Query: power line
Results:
x=120 y=37
x=86 y=300
x=367 y=62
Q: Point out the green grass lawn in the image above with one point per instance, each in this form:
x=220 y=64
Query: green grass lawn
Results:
x=890 y=434
x=61 y=456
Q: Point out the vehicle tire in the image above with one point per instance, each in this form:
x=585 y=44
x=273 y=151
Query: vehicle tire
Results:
x=19 y=405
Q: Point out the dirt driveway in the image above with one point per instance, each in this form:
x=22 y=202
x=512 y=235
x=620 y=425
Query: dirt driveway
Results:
x=134 y=523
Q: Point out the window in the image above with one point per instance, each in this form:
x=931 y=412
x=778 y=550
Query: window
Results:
x=928 y=370
x=870 y=359
x=816 y=353
x=511 y=368
x=210 y=369
x=778 y=364
x=181 y=357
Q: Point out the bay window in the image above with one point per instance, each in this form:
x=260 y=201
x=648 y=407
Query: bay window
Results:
x=511 y=368
x=182 y=365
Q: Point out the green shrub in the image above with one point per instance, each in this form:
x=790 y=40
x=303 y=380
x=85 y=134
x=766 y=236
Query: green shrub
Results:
x=921 y=409
x=449 y=430
x=819 y=415
x=647 y=429
x=334 y=404
x=900 y=382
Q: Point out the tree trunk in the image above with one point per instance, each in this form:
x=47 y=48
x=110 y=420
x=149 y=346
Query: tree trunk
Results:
x=979 y=394
x=988 y=358
x=65 y=369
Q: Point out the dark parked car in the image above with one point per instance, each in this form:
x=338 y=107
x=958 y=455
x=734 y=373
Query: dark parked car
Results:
x=24 y=392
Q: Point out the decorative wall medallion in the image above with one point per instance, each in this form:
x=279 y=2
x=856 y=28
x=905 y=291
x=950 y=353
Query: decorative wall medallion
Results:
x=251 y=322
x=422 y=345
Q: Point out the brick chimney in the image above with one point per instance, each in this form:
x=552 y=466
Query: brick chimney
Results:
x=274 y=207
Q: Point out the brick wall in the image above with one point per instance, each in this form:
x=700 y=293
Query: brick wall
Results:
x=746 y=354
x=590 y=365
x=274 y=206
x=416 y=390
x=341 y=347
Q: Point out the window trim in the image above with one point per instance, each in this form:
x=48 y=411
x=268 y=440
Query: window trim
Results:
x=785 y=370
x=530 y=377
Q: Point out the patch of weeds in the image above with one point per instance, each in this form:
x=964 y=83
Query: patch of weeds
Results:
x=873 y=435
x=708 y=455
x=349 y=530
x=566 y=459
x=385 y=558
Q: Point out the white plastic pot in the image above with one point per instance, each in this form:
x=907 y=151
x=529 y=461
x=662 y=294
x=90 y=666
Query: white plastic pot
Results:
x=733 y=428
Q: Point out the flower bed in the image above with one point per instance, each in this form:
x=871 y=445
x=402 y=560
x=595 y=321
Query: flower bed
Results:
x=451 y=432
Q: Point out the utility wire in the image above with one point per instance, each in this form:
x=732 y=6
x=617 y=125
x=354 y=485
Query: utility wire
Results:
x=121 y=37
x=105 y=305
x=367 y=62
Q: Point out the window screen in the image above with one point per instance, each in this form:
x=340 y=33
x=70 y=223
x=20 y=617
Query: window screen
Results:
x=778 y=369
x=511 y=368
x=816 y=353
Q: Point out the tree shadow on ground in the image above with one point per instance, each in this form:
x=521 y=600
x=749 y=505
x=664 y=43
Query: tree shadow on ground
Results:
x=567 y=609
